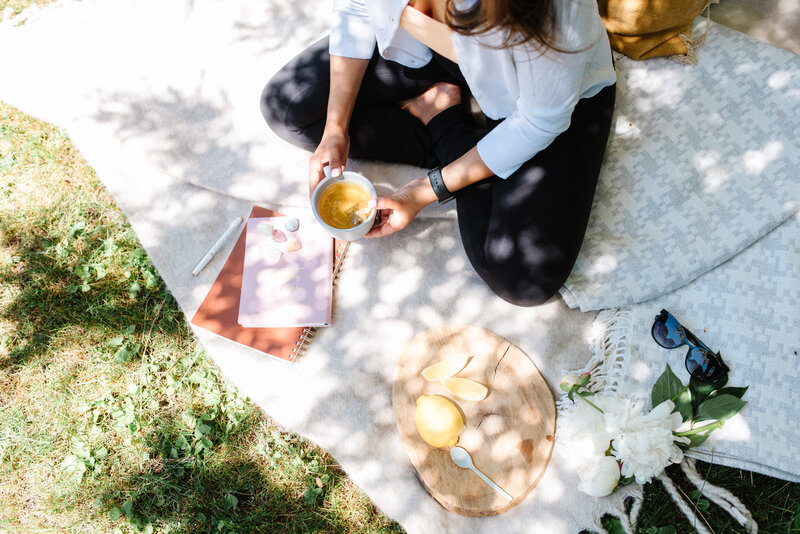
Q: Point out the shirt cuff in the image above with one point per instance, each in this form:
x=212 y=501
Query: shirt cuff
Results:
x=513 y=142
x=351 y=36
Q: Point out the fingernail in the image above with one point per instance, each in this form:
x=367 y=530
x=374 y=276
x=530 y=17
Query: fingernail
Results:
x=335 y=172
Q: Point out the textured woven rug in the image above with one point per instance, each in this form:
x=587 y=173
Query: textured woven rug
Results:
x=748 y=309
x=162 y=99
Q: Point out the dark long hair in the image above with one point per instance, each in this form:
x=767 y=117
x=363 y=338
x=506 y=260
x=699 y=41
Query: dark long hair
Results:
x=524 y=21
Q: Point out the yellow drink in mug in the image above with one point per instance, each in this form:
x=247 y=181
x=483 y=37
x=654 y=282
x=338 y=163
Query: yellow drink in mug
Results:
x=341 y=205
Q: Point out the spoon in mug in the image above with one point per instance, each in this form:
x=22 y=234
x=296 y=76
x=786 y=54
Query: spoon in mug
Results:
x=462 y=458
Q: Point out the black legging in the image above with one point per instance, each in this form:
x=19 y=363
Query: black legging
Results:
x=521 y=234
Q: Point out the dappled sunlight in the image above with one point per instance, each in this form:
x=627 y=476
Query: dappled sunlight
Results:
x=780 y=79
x=734 y=429
x=602 y=265
x=756 y=161
x=206 y=130
x=657 y=88
x=551 y=488
x=640 y=371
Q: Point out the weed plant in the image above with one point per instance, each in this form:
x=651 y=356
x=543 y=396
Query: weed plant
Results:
x=112 y=418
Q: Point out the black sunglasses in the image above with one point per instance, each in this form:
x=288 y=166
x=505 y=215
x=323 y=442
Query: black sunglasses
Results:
x=701 y=362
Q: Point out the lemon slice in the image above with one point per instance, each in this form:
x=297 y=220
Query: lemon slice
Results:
x=466 y=389
x=445 y=368
x=438 y=420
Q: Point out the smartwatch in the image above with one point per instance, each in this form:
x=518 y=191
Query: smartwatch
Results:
x=437 y=183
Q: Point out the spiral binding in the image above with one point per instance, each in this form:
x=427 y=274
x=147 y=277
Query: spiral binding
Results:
x=301 y=345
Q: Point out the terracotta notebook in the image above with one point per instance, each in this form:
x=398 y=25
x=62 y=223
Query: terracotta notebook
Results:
x=219 y=312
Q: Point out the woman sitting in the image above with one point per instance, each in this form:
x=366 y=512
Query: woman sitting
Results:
x=541 y=72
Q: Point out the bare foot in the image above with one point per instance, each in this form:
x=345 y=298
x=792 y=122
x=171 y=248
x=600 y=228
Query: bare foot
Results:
x=433 y=101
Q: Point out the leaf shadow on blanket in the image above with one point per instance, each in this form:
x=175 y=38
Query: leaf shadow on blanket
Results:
x=395 y=287
x=305 y=22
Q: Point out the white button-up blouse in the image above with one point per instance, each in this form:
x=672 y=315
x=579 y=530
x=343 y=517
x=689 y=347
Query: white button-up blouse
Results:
x=534 y=89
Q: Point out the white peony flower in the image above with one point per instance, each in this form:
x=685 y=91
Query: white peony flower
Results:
x=645 y=443
x=600 y=477
x=618 y=411
x=582 y=435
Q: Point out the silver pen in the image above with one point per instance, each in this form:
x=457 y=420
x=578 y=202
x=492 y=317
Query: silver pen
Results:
x=217 y=246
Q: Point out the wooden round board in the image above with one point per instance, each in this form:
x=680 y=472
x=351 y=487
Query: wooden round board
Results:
x=509 y=433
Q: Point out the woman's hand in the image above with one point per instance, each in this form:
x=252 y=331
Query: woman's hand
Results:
x=395 y=211
x=332 y=150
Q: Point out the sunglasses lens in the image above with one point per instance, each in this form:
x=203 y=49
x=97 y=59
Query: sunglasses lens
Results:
x=703 y=364
x=668 y=333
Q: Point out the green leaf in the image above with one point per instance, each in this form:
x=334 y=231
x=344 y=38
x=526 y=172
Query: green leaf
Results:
x=150 y=279
x=201 y=517
x=77 y=228
x=72 y=463
x=735 y=391
x=683 y=404
x=565 y=387
x=123 y=354
x=83 y=271
x=127 y=508
x=694 y=441
x=700 y=391
x=134 y=289
x=311 y=494
x=719 y=408
x=666 y=387
x=613 y=525
x=114 y=513
x=81 y=449
x=189 y=419
x=231 y=501
x=115 y=341
x=108 y=248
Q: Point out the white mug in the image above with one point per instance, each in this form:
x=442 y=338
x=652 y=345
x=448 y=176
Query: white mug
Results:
x=345 y=234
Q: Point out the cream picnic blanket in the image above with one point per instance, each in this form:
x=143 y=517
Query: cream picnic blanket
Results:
x=162 y=99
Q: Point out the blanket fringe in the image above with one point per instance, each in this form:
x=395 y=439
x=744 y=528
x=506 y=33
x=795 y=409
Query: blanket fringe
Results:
x=684 y=507
x=720 y=496
x=690 y=58
x=608 y=345
x=610 y=351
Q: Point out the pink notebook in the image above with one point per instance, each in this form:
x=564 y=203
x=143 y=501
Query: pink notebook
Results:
x=290 y=288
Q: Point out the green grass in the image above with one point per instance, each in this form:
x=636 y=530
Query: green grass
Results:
x=111 y=415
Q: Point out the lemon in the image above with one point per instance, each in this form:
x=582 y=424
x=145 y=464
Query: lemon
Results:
x=445 y=368
x=438 y=420
x=466 y=389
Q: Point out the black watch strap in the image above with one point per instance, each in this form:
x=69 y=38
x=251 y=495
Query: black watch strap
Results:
x=437 y=183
